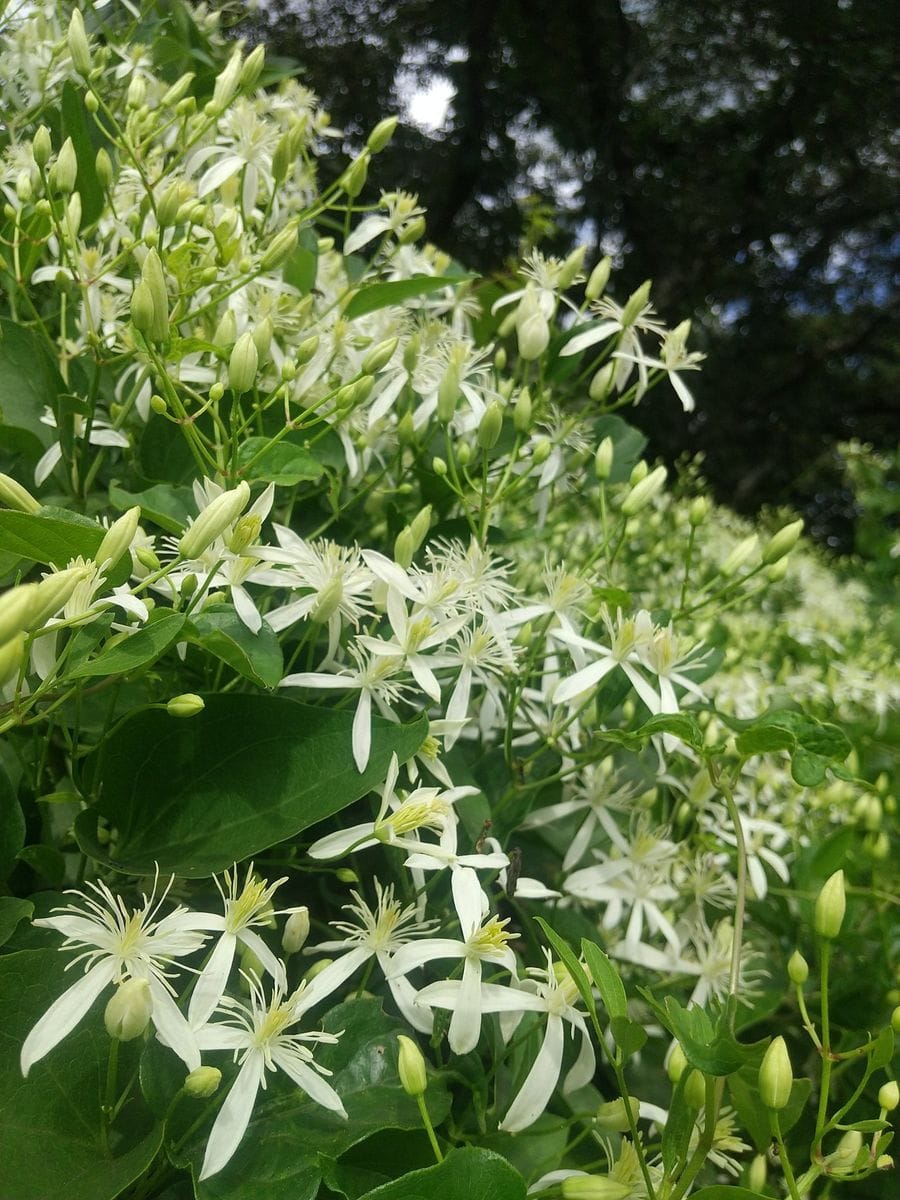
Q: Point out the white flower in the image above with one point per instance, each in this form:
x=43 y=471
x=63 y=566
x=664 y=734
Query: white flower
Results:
x=102 y=434
x=118 y=944
x=628 y=636
x=401 y=208
x=256 y=1034
x=674 y=357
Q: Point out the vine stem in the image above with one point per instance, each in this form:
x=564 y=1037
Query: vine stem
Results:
x=429 y=1128
x=740 y=902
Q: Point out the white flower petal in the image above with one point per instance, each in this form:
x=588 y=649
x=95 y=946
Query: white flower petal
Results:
x=537 y=1089
x=234 y=1116
x=211 y=982
x=64 y=1014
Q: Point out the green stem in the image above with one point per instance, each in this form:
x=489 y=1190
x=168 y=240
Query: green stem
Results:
x=825 y=1051
x=429 y=1128
x=783 y=1157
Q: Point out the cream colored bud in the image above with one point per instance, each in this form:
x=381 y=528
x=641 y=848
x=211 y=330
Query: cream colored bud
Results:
x=884 y=1162
x=776 y=1076
x=602 y=382
x=698 y=511
x=379 y=356
x=598 y=279
x=889 y=1096
x=798 y=969
x=13 y=495
x=79 y=48
x=129 y=1010
x=280 y=249
x=413 y=231
x=676 y=1064
x=642 y=493
x=543 y=448
x=603 y=459
x=411 y=1066
x=226 y=331
x=639 y=471
x=41 y=146
x=137 y=92
x=186 y=705
x=490 y=426
x=178 y=90
x=532 y=328
x=16 y=606
x=354 y=178
x=73 y=216
x=782 y=543
x=12 y=656
x=739 y=556
x=439 y=466
x=612 y=1117
x=53 y=592
x=154 y=277
x=65 y=169
x=214 y=520
x=296 y=931
x=142 y=312
x=831 y=905
x=420 y=525
x=404 y=547
x=263 y=332
x=118 y=538
x=203 y=1082
x=307 y=349
x=522 y=410
x=635 y=303
x=758 y=1173
x=695 y=1089
x=252 y=68
x=571 y=268
x=243 y=364
x=381 y=134
x=594 y=1187
x=24 y=189
x=226 y=85
x=843 y=1157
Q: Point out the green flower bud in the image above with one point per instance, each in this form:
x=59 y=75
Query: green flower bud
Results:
x=246 y=531
x=830 y=907
x=739 y=556
x=13 y=495
x=346 y=875
x=439 y=466
x=884 y=1162
x=104 y=169
x=895 y=1020
x=602 y=382
x=635 y=303
x=307 y=349
x=889 y=1096
x=406 y=430
x=448 y=394
x=676 y=1064
x=12 y=655
x=203 y=1082
x=73 y=216
x=354 y=178
x=263 y=332
x=178 y=90
x=782 y=543
x=147 y=558
x=41 y=146
x=411 y=1066
x=153 y=276
x=639 y=471
x=54 y=592
x=413 y=231
x=643 y=492
x=778 y=570
x=757 y=1174
x=542 y=450
x=158 y=405
x=79 y=49
x=252 y=68
x=65 y=169
x=612 y=1117
x=598 y=279
x=225 y=86
x=137 y=92
x=142 y=311
x=24 y=189
x=214 y=520
x=296 y=931
x=188 y=704
x=490 y=426
x=118 y=538
x=16 y=606
x=603 y=459
x=404 y=547
x=420 y=525
x=695 y=1089
x=776 y=1076
x=532 y=328
x=594 y=1187
x=128 y=1012
x=843 y=1158
x=698 y=511
x=381 y=135
x=379 y=356
x=463 y=454
x=798 y=969
x=243 y=364
x=522 y=412
x=280 y=249
x=500 y=359
x=571 y=268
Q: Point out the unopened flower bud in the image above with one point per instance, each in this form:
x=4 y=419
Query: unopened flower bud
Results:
x=641 y=495
x=889 y=1096
x=411 y=1066
x=635 y=304
x=307 y=349
x=354 y=178
x=830 y=907
x=543 y=448
x=214 y=520
x=252 y=68
x=570 y=268
x=381 y=135
x=758 y=1173
x=178 y=90
x=490 y=426
x=203 y=1082
x=53 y=592
x=778 y=570
x=603 y=459
x=532 y=328
x=153 y=276
x=782 y=543
x=698 y=511
x=895 y=1020
x=317 y=968
x=65 y=169
x=147 y=558
x=522 y=412
x=158 y=405
x=243 y=364
x=186 y=705
x=594 y=1187
x=439 y=466
x=639 y=471
x=118 y=537
x=346 y=875
x=296 y=931
x=137 y=92
x=420 y=525
x=695 y=1089
x=776 y=1076
x=280 y=249
x=739 y=556
x=16 y=606
x=12 y=655
x=79 y=48
x=612 y=1117
x=104 y=169
x=225 y=86
x=379 y=356
x=798 y=969
x=500 y=359
x=13 y=495
x=404 y=547
x=413 y=231
x=41 y=146
x=676 y=1064
x=843 y=1157
x=128 y=1012
x=598 y=279
x=246 y=531
x=602 y=382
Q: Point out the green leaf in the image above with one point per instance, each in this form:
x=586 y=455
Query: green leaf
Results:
x=466 y=1174
x=710 y=1048
x=256 y=656
x=75 y=125
x=764 y=739
x=629 y=1035
x=284 y=463
x=12 y=825
x=676 y=1134
x=628 y=443
x=29 y=383
x=280 y=1155
x=606 y=978
x=574 y=967
x=167 y=506
x=46 y=861
x=12 y=911
x=379 y=295
x=744 y=1089
x=808 y=770
x=195 y=796
x=50 y=1144
x=138 y=650
x=48 y=539
x=301 y=268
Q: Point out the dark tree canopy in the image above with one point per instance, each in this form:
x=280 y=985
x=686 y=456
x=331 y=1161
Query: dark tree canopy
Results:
x=742 y=154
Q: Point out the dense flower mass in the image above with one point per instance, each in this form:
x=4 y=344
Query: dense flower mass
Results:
x=567 y=735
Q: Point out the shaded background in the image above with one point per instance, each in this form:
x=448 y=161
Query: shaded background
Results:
x=742 y=154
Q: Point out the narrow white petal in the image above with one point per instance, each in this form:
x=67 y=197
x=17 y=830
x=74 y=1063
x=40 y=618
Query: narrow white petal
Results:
x=270 y=961
x=333 y=845
x=581 y=341
x=362 y=731
x=465 y=1024
x=212 y=980
x=64 y=1014
x=171 y=1026
x=582 y=1070
x=582 y=681
x=537 y=1089
x=468 y=898
x=234 y=1116
x=311 y=1083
